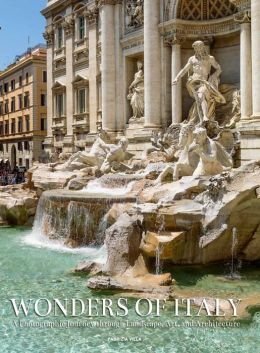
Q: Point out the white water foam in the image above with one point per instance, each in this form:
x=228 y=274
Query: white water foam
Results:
x=95 y=187
x=36 y=239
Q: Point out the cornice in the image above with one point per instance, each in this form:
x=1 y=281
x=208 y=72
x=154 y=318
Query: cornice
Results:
x=100 y=3
x=196 y=29
x=50 y=8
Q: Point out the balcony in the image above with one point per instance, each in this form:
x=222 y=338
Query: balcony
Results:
x=81 y=122
x=59 y=123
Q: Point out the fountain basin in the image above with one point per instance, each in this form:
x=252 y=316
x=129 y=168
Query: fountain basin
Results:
x=80 y=196
x=76 y=218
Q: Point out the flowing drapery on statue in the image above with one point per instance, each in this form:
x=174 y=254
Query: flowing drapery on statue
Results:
x=136 y=93
x=202 y=85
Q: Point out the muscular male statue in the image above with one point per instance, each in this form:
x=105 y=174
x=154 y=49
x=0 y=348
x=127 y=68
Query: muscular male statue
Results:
x=202 y=84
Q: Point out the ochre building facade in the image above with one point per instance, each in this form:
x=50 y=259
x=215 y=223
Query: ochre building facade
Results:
x=23 y=108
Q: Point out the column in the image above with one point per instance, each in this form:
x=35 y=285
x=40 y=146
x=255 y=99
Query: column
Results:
x=152 y=64
x=120 y=97
x=49 y=37
x=176 y=89
x=49 y=90
x=166 y=102
x=255 y=28
x=69 y=30
x=245 y=64
x=93 y=98
x=108 y=66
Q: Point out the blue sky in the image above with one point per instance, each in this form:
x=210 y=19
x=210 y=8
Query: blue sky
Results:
x=19 y=20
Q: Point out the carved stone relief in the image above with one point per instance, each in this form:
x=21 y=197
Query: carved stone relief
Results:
x=134 y=14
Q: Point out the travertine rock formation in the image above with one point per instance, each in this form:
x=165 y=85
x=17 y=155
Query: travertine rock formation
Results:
x=17 y=205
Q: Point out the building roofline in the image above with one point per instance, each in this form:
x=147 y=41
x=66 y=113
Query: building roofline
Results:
x=53 y=6
x=32 y=58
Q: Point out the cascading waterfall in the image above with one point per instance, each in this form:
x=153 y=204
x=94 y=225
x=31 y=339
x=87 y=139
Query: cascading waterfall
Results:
x=233 y=250
x=67 y=220
x=60 y=223
x=158 y=260
x=160 y=222
x=234 y=262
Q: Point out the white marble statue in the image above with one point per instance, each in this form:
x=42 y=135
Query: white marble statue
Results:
x=114 y=154
x=136 y=93
x=202 y=84
x=188 y=160
x=94 y=158
x=213 y=158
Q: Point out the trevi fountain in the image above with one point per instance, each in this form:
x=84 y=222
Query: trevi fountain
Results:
x=179 y=221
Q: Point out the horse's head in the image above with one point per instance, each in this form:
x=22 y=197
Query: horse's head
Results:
x=186 y=135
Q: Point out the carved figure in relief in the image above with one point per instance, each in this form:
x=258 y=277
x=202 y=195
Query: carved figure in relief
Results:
x=135 y=13
x=236 y=110
x=202 y=85
x=136 y=93
x=138 y=16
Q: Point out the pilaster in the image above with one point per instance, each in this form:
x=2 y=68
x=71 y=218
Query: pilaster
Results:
x=152 y=64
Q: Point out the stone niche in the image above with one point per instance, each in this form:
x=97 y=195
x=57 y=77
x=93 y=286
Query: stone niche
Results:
x=130 y=70
x=226 y=50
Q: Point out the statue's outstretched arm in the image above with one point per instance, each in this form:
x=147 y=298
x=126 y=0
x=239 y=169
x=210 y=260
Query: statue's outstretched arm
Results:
x=183 y=72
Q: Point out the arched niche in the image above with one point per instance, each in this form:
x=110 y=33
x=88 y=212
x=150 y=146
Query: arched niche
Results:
x=199 y=10
x=211 y=21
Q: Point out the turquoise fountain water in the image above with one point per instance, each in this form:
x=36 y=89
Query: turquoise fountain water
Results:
x=36 y=271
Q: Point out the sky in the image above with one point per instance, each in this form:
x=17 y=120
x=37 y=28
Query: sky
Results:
x=22 y=27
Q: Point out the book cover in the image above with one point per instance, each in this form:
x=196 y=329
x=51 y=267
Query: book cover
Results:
x=129 y=176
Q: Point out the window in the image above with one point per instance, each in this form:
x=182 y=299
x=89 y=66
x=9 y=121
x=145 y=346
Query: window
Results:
x=26 y=145
x=20 y=161
x=59 y=105
x=13 y=85
x=1 y=146
x=6 y=106
x=43 y=124
x=1 y=108
x=20 y=81
x=1 y=90
x=20 y=124
x=26 y=100
x=20 y=100
x=59 y=41
x=13 y=126
x=6 y=87
x=13 y=104
x=81 y=27
x=1 y=128
x=27 y=123
x=27 y=163
x=27 y=78
x=20 y=146
x=44 y=76
x=81 y=101
x=6 y=128
x=43 y=100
